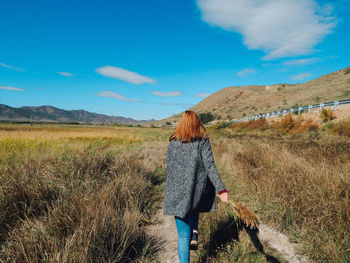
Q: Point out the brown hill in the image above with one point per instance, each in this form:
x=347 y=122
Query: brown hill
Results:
x=239 y=101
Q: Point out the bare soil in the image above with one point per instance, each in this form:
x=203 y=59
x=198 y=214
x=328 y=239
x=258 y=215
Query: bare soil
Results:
x=165 y=231
x=280 y=243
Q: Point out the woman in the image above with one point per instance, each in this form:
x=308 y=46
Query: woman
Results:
x=191 y=181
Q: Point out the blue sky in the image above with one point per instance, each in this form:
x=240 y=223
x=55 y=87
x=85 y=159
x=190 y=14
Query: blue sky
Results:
x=151 y=59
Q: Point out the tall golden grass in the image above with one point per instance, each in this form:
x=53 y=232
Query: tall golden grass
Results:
x=300 y=185
x=68 y=194
x=85 y=200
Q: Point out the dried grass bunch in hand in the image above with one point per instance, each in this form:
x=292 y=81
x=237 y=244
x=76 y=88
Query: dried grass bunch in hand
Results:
x=244 y=214
x=247 y=216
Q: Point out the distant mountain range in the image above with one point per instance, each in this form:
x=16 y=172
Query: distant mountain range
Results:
x=52 y=114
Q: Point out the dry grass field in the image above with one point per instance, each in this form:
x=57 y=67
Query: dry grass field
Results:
x=78 y=194
x=297 y=180
x=86 y=193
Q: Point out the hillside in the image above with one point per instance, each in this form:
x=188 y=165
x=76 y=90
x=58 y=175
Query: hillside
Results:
x=53 y=114
x=238 y=101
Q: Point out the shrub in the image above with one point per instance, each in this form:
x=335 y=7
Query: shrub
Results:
x=286 y=124
x=260 y=124
x=307 y=125
x=220 y=125
x=317 y=98
x=327 y=115
x=341 y=128
x=294 y=125
x=206 y=117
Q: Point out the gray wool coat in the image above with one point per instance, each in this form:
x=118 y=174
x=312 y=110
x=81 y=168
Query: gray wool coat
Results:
x=192 y=178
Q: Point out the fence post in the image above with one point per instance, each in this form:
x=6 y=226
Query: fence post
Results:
x=336 y=103
x=300 y=109
x=310 y=107
x=321 y=106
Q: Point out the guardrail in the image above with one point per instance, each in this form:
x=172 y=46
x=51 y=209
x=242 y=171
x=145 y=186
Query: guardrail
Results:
x=297 y=110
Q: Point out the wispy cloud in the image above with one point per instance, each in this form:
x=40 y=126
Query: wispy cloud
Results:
x=202 y=94
x=298 y=62
x=11 y=67
x=114 y=95
x=125 y=75
x=5 y=66
x=11 y=88
x=67 y=74
x=245 y=72
x=262 y=25
x=301 y=76
x=283 y=69
x=174 y=93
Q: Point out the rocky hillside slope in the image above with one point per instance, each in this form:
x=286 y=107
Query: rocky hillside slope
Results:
x=239 y=101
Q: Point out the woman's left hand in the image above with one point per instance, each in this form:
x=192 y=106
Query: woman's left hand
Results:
x=224 y=197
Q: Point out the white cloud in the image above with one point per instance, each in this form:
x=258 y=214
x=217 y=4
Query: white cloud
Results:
x=174 y=93
x=11 y=88
x=202 y=94
x=5 y=66
x=114 y=95
x=301 y=76
x=281 y=28
x=245 y=72
x=67 y=74
x=123 y=74
x=298 y=62
x=11 y=67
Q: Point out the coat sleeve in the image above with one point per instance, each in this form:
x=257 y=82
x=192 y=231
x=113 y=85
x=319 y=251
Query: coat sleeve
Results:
x=209 y=164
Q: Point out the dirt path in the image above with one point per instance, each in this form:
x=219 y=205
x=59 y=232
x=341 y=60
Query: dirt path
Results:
x=280 y=243
x=165 y=230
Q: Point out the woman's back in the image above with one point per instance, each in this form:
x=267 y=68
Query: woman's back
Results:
x=191 y=180
x=191 y=177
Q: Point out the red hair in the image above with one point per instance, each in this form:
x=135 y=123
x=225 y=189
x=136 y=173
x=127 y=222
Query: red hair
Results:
x=189 y=128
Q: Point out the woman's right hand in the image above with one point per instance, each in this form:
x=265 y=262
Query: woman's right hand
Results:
x=224 y=197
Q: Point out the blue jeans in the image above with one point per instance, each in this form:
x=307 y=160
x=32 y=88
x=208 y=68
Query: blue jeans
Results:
x=184 y=228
